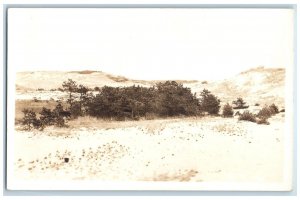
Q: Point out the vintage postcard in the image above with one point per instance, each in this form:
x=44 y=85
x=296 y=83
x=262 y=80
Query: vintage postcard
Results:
x=150 y=99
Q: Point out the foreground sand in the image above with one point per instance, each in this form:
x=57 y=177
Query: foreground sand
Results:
x=189 y=149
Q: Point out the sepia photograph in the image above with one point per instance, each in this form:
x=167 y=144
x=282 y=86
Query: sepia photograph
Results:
x=150 y=99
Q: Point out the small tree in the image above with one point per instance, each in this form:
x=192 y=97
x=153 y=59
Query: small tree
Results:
x=227 y=110
x=58 y=118
x=47 y=117
x=70 y=86
x=82 y=90
x=239 y=103
x=29 y=120
x=209 y=102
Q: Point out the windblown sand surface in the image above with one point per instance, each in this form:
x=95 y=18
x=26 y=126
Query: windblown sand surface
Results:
x=203 y=149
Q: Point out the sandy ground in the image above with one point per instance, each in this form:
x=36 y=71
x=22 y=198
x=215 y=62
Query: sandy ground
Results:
x=189 y=149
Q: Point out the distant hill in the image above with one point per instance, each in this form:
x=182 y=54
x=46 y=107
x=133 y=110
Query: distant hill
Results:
x=257 y=85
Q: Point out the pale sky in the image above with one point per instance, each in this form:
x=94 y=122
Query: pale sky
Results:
x=150 y=43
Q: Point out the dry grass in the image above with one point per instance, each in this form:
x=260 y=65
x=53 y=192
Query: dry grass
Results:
x=152 y=126
x=32 y=105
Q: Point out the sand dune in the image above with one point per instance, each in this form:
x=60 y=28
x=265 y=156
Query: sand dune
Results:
x=203 y=149
x=258 y=85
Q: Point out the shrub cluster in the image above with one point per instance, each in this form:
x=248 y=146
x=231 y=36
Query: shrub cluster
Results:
x=247 y=116
x=47 y=117
x=165 y=99
x=266 y=112
x=262 y=116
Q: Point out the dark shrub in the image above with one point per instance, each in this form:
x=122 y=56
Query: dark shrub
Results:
x=29 y=120
x=247 y=116
x=165 y=99
x=227 y=110
x=75 y=110
x=172 y=99
x=257 y=104
x=265 y=112
x=47 y=117
x=273 y=109
x=96 y=89
x=282 y=110
x=239 y=104
x=58 y=118
x=209 y=102
x=71 y=88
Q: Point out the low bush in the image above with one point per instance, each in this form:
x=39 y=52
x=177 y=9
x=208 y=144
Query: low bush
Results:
x=273 y=109
x=268 y=111
x=265 y=112
x=247 y=116
x=29 y=119
x=227 y=110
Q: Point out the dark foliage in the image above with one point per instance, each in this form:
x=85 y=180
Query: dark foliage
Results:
x=29 y=120
x=239 y=104
x=173 y=99
x=274 y=109
x=268 y=111
x=165 y=99
x=47 y=117
x=209 y=102
x=58 y=117
x=227 y=110
x=265 y=112
x=247 y=116
x=71 y=88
